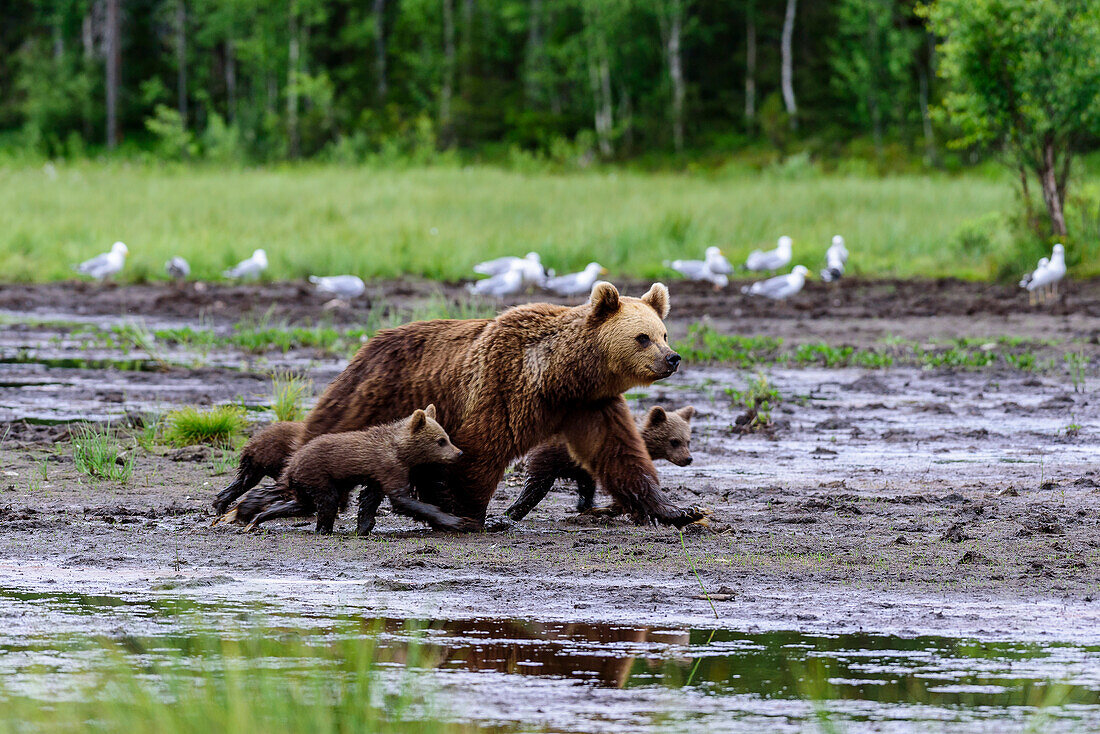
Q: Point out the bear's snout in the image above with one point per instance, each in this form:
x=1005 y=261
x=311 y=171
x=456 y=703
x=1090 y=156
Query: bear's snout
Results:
x=673 y=361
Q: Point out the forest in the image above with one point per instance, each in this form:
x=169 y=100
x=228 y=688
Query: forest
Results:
x=344 y=79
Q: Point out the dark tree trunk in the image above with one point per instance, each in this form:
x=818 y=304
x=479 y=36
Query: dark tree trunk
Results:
x=112 y=47
x=230 y=81
x=181 y=60
x=447 y=90
x=381 y=85
x=1053 y=188
x=293 y=55
x=750 y=65
x=532 y=87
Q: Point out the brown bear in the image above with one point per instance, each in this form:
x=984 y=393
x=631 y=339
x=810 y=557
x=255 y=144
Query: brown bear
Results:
x=265 y=455
x=321 y=475
x=667 y=435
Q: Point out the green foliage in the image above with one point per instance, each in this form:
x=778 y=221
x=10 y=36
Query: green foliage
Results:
x=99 y=455
x=220 y=426
x=758 y=398
x=288 y=393
x=1026 y=78
x=174 y=140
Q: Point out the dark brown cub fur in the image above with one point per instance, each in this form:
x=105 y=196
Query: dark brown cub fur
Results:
x=667 y=435
x=265 y=455
x=321 y=475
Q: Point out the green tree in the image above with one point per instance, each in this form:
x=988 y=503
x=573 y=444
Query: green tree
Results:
x=1026 y=77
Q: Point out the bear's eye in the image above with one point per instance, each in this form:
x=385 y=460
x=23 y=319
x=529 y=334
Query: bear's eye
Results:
x=643 y=340
x=442 y=442
x=674 y=443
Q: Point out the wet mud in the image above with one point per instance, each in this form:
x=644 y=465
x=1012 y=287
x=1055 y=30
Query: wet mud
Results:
x=903 y=502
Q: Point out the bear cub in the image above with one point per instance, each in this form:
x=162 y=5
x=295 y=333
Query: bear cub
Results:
x=321 y=475
x=667 y=435
x=265 y=455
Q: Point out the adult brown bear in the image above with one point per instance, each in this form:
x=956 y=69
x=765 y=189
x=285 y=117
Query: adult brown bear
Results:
x=502 y=386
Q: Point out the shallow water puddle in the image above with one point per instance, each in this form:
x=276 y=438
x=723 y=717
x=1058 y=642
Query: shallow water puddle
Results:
x=583 y=676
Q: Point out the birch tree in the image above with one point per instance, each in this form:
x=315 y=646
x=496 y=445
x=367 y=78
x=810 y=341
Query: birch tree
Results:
x=786 y=71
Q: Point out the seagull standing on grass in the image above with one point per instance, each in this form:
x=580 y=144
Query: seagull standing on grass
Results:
x=836 y=257
x=1045 y=278
x=250 y=268
x=775 y=259
x=504 y=264
x=717 y=262
x=342 y=286
x=503 y=284
x=575 y=283
x=698 y=270
x=105 y=265
x=177 y=268
x=781 y=286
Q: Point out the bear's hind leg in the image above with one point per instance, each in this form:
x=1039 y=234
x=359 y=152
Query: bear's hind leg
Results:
x=403 y=502
x=369 y=499
x=248 y=476
x=544 y=465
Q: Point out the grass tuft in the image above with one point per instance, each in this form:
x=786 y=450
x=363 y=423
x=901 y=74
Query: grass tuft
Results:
x=288 y=395
x=99 y=455
x=220 y=426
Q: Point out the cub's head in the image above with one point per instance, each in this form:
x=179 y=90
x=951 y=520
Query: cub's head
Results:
x=426 y=442
x=667 y=434
x=631 y=334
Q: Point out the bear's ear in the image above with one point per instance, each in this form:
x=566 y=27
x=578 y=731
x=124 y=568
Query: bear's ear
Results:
x=686 y=412
x=604 y=300
x=430 y=411
x=417 y=421
x=657 y=297
x=656 y=416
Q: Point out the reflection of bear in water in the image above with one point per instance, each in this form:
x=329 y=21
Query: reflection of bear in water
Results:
x=667 y=435
x=323 y=473
x=567 y=649
x=502 y=386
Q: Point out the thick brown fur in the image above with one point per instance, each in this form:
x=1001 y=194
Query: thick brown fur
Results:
x=265 y=455
x=667 y=435
x=321 y=475
x=502 y=386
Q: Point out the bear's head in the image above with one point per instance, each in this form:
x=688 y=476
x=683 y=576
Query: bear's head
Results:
x=425 y=442
x=631 y=335
x=667 y=434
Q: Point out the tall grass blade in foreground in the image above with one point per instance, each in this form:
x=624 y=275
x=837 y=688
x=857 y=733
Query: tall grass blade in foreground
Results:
x=258 y=684
x=220 y=426
x=99 y=455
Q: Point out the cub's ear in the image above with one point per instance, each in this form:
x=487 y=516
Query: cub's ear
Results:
x=418 y=420
x=430 y=411
x=656 y=416
x=604 y=300
x=657 y=297
x=686 y=412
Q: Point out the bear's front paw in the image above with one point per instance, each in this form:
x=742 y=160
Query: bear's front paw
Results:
x=689 y=515
x=498 y=524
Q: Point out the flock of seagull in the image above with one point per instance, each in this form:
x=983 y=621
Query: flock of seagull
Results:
x=511 y=275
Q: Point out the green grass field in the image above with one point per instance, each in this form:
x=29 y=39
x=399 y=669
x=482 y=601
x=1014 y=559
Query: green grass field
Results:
x=437 y=222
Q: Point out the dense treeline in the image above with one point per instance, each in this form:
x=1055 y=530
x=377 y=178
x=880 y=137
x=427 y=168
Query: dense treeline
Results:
x=563 y=78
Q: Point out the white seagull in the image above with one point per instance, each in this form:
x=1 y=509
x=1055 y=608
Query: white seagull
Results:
x=836 y=257
x=717 y=262
x=1046 y=278
x=775 y=259
x=1043 y=261
x=250 y=268
x=343 y=286
x=576 y=283
x=504 y=284
x=503 y=264
x=105 y=265
x=781 y=286
x=177 y=268
x=698 y=270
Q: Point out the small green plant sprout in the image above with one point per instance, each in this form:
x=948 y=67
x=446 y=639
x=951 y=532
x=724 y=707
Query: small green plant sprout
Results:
x=1078 y=363
x=225 y=460
x=99 y=455
x=1073 y=430
x=135 y=335
x=220 y=426
x=757 y=399
x=288 y=392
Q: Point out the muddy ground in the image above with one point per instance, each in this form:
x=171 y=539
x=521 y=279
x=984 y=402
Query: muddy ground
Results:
x=901 y=500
